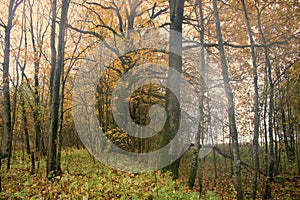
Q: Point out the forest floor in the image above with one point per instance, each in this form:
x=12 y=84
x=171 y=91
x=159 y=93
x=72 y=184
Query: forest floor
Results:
x=85 y=178
x=219 y=178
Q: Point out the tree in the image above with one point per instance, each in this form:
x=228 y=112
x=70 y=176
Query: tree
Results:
x=126 y=16
x=57 y=66
x=37 y=40
x=175 y=62
x=256 y=103
x=6 y=149
x=267 y=193
x=200 y=131
x=231 y=107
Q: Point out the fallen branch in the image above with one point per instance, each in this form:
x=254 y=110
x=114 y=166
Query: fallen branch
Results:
x=247 y=166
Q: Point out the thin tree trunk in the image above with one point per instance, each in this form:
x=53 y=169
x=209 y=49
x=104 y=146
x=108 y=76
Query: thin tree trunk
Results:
x=231 y=153
x=256 y=104
x=291 y=129
x=37 y=126
x=14 y=106
x=298 y=151
x=284 y=122
x=7 y=126
x=267 y=194
x=266 y=158
x=276 y=149
x=61 y=118
x=199 y=133
x=231 y=107
x=14 y=114
x=37 y=49
x=25 y=125
x=22 y=97
x=215 y=167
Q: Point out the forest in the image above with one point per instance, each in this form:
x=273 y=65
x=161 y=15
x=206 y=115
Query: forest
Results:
x=150 y=99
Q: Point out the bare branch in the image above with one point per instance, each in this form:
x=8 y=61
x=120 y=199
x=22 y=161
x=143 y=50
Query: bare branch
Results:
x=86 y=32
x=100 y=5
x=197 y=44
x=247 y=166
x=2 y=24
x=97 y=35
x=17 y=4
x=103 y=25
x=119 y=18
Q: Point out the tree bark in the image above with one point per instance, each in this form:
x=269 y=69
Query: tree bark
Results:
x=267 y=194
x=265 y=108
x=231 y=107
x=175 y=62
x=284 y=123
x=37 y=49
x=51 y=152
x=290 y=127
x=256 y=104
x=53 y=164
x=25 y=126
x=200 y=131
x=7 y=125
x=22 y=97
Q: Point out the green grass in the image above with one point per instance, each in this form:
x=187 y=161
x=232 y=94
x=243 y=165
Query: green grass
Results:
x=85 y=178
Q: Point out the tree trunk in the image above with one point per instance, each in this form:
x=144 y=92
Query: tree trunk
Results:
x=267 y=194
x=231 y=107
x=265 y=108
x=195 y=158
x=51 y=153
x=23 y=76
x=25 y=125
x=53 y=165
x=256 y=105
x=298 y=151
x=7 y=126
x=284 y=124
x=175 y=62
x=215 y=167
x=61 y=118
x=37 y=56
x=276 y=149
x=291 y=129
